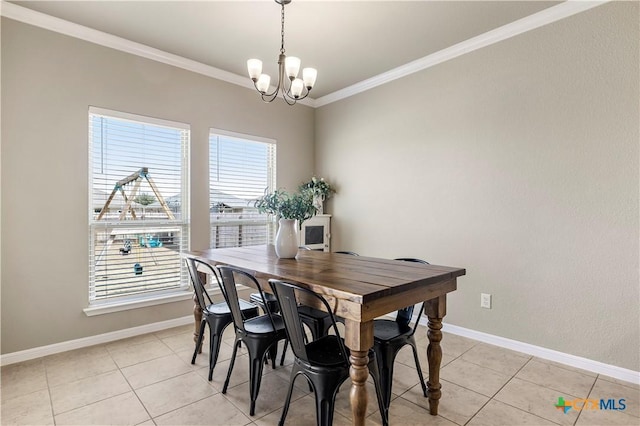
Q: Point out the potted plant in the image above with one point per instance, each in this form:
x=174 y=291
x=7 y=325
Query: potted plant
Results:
x=289 y=208
x=320 y=190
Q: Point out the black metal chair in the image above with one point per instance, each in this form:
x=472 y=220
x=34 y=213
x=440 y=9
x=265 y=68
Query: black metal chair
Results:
x=324 y=362
x=267 y=299
x=216 y=315
x=389 y=336
x=260 y=334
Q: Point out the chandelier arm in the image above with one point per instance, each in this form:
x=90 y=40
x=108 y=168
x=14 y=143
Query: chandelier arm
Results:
x=269 y=98
x=280 y=84
x=287 y=101
x=274 y=93
x=287 y=94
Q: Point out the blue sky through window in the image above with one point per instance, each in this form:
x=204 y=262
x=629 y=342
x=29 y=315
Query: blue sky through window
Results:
x=239 y=169
x=122 y=147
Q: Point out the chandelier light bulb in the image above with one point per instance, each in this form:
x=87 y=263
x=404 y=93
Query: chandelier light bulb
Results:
x=264 y=81
x=309 y=76
x=254 y=66
x=292 y=66
x=296 y=88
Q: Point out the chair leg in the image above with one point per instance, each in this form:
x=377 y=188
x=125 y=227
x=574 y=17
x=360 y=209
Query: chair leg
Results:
x=284 y=351
x=255 y=377
x=214 y=351
x=324 y=410
x=199 y=342
x=325 y=392
x=415 y=357
x=375 y=374
x=385 y=358
x=233 y=360
x=287 y=401
x=272 y=353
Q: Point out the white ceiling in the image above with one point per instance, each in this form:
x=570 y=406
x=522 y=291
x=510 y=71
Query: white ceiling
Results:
x=347 y=41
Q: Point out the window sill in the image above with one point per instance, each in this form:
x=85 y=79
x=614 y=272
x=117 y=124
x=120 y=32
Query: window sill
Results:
x=119 y=306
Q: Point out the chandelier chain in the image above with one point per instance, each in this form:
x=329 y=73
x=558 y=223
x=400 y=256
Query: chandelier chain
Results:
x=282 y=30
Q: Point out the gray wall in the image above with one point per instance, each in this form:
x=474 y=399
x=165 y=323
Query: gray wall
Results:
x=518 y=162
x=48 y=83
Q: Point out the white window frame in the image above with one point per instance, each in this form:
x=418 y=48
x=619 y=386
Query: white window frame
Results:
x=180 y=223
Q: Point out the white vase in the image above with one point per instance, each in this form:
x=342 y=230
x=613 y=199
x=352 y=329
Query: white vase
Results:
x=287 y=239
x=318 y=203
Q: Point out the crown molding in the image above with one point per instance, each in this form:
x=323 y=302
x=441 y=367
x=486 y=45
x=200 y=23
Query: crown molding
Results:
x=51 y=23
x=528 y=23
x=531 y=22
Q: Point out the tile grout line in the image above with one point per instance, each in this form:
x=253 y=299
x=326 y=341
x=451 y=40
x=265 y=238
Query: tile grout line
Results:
x=454 y=359
x=588 y=395
x=134 y=392
x=46 y=378
x=254 y=418
x=219 y=392
x=417 y=405
x=518 y=408
x=501 y=387
x=77 y=380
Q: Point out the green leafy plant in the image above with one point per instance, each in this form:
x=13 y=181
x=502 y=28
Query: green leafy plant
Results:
x=318 y=187
x=298 y=206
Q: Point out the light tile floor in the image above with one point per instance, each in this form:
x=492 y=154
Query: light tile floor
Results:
x=149 y=380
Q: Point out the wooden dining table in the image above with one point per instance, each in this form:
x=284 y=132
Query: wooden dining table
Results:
x=359 y=289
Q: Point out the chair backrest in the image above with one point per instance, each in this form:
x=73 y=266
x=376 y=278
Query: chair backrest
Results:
x=288 y=296
x=230 y=276
x=198 y=286
x=404 y=315
x=352 y=253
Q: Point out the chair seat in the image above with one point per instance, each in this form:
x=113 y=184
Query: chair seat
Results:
x=262 y=324
x=223 y=309
x=325 y=351
x=385 y=330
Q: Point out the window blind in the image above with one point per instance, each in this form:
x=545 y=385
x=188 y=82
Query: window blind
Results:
x=138 y=205
x=241 y=169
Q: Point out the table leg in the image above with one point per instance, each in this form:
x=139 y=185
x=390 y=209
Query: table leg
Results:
x=197 y=317
x=359 y=339
x=197 y=314
x=436 y=309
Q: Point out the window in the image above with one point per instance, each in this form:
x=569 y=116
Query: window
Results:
x=138 y=206
x=241 y=168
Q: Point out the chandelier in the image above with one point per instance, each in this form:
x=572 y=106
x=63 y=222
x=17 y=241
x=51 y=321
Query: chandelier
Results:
x=292 y=87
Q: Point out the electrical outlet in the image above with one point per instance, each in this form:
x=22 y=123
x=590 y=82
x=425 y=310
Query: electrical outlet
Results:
x=485 y=300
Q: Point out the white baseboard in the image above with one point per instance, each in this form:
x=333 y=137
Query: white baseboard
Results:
x=544 y=353
x=20 y=356
x=549 y=354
